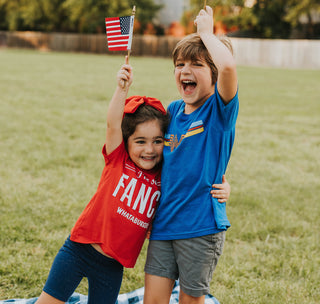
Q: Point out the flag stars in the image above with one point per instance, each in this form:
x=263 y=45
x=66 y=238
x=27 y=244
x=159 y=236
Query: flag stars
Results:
x=125 y=25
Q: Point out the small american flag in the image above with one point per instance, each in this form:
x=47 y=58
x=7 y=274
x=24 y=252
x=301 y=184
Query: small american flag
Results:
x=119 y=33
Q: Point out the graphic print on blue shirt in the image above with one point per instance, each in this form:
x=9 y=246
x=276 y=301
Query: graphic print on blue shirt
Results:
x=172 y=141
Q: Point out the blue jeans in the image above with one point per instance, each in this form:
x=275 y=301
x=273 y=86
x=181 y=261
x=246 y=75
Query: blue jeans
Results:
x=75 y=261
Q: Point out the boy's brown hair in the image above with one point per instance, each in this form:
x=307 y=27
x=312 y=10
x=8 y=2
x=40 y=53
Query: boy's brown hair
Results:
x=192 y=48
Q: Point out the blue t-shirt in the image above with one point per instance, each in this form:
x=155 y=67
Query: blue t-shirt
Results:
x=196 y=154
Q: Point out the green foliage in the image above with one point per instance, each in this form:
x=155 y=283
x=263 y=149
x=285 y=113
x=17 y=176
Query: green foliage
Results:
x=230 y=12
x=277 y=18
x=267 y=18
x=271 y=19
x=41 y=15
x=307 y=9
x=300 y=8
x=146 y=11
x=87 y=15
x=11 y=14
x=52 y=130
x=83 y=16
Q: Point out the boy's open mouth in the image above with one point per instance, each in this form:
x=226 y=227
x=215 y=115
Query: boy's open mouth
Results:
x=188 y=85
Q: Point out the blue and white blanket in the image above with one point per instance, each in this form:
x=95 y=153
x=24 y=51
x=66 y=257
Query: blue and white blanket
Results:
x=133 y=297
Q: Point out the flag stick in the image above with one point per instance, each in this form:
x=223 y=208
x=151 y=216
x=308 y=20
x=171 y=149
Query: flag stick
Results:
x=205 y=4
x=133 y=13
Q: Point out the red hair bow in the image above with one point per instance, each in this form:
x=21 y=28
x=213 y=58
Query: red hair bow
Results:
x=134 y=102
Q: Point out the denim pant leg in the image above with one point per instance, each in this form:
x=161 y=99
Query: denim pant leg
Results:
x=65 y=274
x=75 y=261
x=104 y=278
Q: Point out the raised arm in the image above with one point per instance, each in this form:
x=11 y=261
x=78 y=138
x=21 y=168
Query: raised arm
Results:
x=116 y=107
x=223 y=59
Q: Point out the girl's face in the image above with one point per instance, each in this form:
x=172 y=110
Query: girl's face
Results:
x=194 y=82
x=145 y=145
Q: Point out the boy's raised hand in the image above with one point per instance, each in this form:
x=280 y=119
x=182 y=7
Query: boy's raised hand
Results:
x=227 y=83
x=125 y=76
x=204 y=21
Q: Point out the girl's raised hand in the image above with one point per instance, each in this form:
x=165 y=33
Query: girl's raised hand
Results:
x=125 y=76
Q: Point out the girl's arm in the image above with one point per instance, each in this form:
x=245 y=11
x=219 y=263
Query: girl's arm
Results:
x=223 y=59
x=116 y=107
x=222 y=191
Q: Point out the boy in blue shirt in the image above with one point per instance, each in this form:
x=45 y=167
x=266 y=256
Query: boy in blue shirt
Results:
x=189 y=227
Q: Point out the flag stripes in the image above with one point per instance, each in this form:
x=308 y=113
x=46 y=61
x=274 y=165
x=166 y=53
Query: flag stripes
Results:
x=119 y=33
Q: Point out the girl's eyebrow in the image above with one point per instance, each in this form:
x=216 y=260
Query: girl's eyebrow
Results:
x=142 y=137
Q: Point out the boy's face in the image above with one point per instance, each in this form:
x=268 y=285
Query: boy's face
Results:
x=145 y=145
x=194 y=82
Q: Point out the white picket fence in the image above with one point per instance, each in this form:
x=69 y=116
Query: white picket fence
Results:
x=297 y=54
x=277 y=53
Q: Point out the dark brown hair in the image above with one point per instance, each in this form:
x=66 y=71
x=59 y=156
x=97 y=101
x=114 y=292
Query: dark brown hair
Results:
x=192 y=48
x=143 y=114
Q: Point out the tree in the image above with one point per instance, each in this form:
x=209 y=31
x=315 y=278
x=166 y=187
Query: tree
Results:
x=146 y=11
x=84 y=16
x=43 y=15
x=232 y=13
x=10 y=11
x=297 y=10
x=271 y=21
x=87 y=16
x=277 y=18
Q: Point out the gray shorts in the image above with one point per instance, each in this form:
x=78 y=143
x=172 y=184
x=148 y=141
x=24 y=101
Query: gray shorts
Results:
x=192 y=261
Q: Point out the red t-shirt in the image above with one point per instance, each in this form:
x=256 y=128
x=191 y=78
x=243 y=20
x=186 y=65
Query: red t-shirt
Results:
x=119 y=214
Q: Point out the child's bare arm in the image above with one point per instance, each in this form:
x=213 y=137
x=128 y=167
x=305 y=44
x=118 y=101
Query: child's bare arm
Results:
x=221 y=56
x=221 y=191
x=116 y=107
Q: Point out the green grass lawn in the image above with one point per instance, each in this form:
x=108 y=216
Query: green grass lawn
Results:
x=52 y=122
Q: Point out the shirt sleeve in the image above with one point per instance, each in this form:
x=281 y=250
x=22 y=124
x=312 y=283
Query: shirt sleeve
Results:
x=115 y=154
x=228 y=112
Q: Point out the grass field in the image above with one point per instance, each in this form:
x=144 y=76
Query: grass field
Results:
x=53 y=109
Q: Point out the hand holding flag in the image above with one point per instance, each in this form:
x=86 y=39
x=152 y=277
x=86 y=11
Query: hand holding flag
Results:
x=125 y=75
